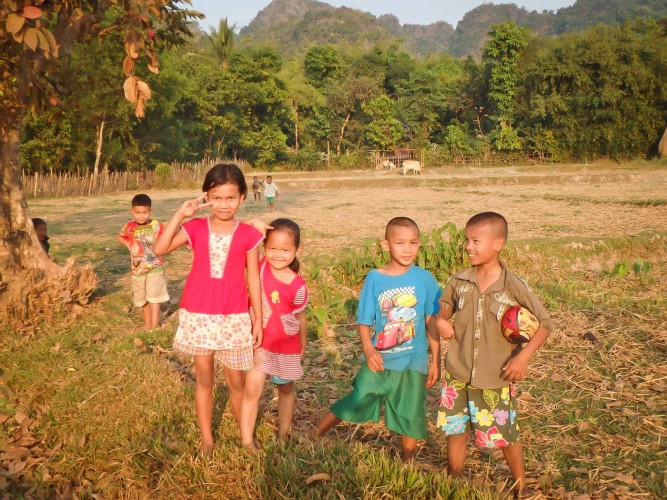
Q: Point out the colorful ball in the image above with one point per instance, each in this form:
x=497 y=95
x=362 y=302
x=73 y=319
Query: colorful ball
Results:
x=519 y=325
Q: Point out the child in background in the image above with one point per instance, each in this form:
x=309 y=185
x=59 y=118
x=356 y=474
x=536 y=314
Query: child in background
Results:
x=149 y=287
x=256 y=189
x=481 y=366
x=40 y=231
x=284 y=298
x=214 y=319
x=398 y=301
x=270 y=192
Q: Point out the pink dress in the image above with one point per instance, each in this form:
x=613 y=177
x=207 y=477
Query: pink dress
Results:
x=214 y=313
x=280 y=352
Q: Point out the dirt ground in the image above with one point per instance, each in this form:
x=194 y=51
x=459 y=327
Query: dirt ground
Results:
x=551 y=202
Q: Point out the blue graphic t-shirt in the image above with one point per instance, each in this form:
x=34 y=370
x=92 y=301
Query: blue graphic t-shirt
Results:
x=395 y=307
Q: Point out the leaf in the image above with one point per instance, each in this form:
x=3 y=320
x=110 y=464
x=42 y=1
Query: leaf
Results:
x=32 y=12
x=131 y=50
x=153 y=69
x=14 y=23
x=53 y=45
x=143 y=89
x=322 y=476
x=130 y=89
x=491 y=398
x=16 y=452
x=30 y=38
x=43 y=41
x=128 y=66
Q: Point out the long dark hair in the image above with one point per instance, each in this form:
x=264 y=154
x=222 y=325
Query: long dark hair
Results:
x=225 y=173
x=291 y=227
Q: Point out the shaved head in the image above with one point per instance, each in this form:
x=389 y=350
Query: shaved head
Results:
x=399 y=222
x=496 y=221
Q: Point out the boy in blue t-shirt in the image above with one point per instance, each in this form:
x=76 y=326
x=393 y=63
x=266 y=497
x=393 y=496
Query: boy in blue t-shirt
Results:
x=396 y=319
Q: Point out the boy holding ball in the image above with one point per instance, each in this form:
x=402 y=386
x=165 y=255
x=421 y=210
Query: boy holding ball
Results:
x=481 y=366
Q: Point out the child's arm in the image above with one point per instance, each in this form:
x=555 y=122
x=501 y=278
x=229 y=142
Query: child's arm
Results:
x=123 y=241
x=303 y=332
x=445 y=327
x=434 y=344
x=373 y=357
x=255 y=290
x=515 y=369
x=258 y=224
x=173 y=237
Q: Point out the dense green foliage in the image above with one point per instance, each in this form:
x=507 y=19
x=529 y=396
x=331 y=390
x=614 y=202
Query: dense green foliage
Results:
x=597 y=93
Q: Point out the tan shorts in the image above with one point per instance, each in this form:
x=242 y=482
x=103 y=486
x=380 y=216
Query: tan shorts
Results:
x=150 y=287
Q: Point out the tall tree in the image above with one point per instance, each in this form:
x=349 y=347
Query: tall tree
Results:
x=34 y=35
x=501 y=54
x=222 y=41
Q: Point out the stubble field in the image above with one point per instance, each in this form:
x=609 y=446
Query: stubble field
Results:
x=92 y=408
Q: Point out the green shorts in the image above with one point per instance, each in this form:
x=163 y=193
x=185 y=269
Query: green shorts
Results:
x=491 y=413
x=270 y=199
x=403 y=395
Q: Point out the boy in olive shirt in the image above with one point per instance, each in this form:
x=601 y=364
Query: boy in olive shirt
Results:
x=481 y=366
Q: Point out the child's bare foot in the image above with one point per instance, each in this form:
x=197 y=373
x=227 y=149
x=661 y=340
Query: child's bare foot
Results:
x=407 y=455
x=206 y=448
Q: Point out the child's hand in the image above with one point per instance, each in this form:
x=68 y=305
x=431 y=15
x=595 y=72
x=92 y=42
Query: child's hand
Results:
x=433 y=374
x=260 y=225
x=257 y=334
x=189 y=208
x=515 y=369
x=445 y=328
x=374 y=359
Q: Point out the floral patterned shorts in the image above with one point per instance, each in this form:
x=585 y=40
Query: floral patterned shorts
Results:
x=491 y=413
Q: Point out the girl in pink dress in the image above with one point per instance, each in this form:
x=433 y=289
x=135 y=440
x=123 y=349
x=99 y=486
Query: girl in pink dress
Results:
x=214 y=319
x=284 y=298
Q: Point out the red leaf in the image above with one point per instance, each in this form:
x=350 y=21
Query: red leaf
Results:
x=32 y=12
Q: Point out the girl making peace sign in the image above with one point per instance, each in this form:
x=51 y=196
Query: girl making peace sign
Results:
x=214 y=318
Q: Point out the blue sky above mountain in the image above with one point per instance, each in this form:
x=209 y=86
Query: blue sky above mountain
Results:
x=412 y=12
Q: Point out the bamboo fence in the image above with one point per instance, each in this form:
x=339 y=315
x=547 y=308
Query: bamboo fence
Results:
x=59 y=185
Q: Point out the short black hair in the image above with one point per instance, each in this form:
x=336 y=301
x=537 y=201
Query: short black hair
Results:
x=141 y=200
x=225 y=173
x=399 y=222
x=498 y=222
x=36 y=221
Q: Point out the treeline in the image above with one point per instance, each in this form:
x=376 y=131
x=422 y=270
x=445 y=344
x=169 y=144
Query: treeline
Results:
x=598 y=93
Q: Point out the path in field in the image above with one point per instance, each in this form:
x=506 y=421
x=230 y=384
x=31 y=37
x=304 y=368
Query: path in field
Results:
x=539 y=202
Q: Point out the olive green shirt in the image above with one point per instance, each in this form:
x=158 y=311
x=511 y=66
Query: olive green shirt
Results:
x=479 y=350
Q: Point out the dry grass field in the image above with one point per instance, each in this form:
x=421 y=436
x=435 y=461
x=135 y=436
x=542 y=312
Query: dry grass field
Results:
x=92 y=409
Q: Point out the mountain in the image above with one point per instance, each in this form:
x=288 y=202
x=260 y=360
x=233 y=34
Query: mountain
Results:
x=292 y=26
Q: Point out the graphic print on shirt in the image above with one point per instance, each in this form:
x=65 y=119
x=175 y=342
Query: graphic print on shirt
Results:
x=143 y=258
x=397 y=305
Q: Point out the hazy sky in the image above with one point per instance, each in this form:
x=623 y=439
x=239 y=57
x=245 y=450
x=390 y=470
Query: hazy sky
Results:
x=242 y=12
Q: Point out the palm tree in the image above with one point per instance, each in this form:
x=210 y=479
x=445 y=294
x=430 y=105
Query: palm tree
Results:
x=222 y=41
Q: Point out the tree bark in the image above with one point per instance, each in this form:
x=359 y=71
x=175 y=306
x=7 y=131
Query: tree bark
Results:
x=342 y=133
x=32 y=287
x=662 y=145
x=98 y=153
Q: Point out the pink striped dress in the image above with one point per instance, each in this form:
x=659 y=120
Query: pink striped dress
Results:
x=280 y=352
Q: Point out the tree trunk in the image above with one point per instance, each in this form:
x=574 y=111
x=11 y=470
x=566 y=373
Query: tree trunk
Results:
x=662 y=145
x=342 y=133
x=98 y=154
x=32 y=287
x=295 y=111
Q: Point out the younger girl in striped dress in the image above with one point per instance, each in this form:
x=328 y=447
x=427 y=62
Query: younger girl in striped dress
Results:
x=284 y=297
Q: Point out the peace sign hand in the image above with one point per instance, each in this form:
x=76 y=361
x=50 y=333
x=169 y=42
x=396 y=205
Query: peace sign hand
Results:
x=190 y=207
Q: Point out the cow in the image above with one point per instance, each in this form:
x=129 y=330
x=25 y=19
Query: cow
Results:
x=413 y=165
x=388 y=165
